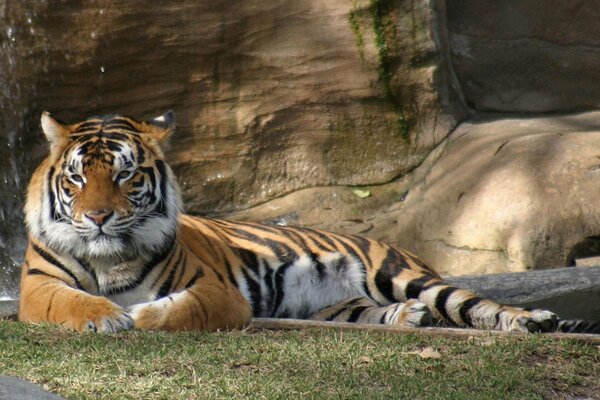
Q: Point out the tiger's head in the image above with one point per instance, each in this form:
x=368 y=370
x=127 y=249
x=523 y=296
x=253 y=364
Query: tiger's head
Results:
x=105 y=192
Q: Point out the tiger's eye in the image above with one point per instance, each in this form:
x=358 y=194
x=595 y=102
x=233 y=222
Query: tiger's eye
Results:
x=76 y=178
x=124 y=175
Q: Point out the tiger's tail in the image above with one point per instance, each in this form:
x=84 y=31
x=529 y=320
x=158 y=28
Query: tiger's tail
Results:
x=578 y=326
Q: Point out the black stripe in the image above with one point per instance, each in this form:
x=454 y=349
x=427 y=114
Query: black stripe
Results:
x=282 y=252
x=416 y=286
x=199 y=274
x=324 y=238
x=114 y=146
x=120 y=127
x=268 y=281
x=295 y=236
x=50 y=259
x=279 y=278
x=230 y=273
x=384 y=284
x=161 y=208
x=497 y=319
x=249 y=260
x=393 y=264
x=356 y=313
x=167 y=285
x=219 y=276
x=441 y=299
x=114 y=136
x=319 y=266
x=140 y=150
x=88 y=125
x=343 y=308
x=35 y=271
x=51 y=196
x=181 y=272
x=364 y=245
x=309 y=234
x=466 y=307
x=255 y=295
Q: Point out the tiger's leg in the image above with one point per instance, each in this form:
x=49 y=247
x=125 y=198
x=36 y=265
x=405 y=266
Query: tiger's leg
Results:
x=463 y=308
x=45 y=297
x=364 y=310
x=208 y=304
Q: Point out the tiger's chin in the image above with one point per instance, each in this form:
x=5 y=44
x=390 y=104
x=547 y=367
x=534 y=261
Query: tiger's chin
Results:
x=104 y=246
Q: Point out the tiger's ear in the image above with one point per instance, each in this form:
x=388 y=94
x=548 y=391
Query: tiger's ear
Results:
x=56 y=133
x=162 y=127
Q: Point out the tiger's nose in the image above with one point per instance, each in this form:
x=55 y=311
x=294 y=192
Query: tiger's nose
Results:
x=99 y=217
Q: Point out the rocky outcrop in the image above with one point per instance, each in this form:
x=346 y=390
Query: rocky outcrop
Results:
x=509 y=195
x=271 y=97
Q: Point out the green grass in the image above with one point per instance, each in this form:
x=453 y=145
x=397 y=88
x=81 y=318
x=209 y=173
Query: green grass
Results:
x=295 y=364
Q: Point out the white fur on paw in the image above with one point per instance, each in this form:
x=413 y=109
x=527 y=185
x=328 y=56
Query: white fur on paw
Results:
x=157 y=306
x=537 y=321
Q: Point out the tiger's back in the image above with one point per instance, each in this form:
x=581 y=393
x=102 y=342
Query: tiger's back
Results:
x=110 y=250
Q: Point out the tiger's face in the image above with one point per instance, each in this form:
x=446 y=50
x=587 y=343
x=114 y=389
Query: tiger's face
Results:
x=105 y=191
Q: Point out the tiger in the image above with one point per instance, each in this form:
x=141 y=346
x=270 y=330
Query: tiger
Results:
x=111 y=250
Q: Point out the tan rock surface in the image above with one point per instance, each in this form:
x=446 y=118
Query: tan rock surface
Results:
x=509 y=195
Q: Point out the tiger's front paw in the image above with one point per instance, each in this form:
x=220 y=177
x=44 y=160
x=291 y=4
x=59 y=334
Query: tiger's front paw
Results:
x=106 y=317
x=151 y=315
x=535 y=321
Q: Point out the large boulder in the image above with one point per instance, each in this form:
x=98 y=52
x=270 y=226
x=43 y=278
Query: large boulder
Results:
x=508 y=195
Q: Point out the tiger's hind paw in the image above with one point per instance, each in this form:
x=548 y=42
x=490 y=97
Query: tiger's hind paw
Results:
x=536 y=321
x=413 y=313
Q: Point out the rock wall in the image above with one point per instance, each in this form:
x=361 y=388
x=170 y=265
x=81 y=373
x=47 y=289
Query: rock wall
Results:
x=526 y=55
x=271 y=97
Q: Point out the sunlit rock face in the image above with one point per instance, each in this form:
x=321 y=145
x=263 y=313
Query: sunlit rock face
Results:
x=271 y=97
x=508 y=194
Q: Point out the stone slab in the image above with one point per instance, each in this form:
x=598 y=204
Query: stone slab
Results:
x=12 y=388
x=572 y=293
